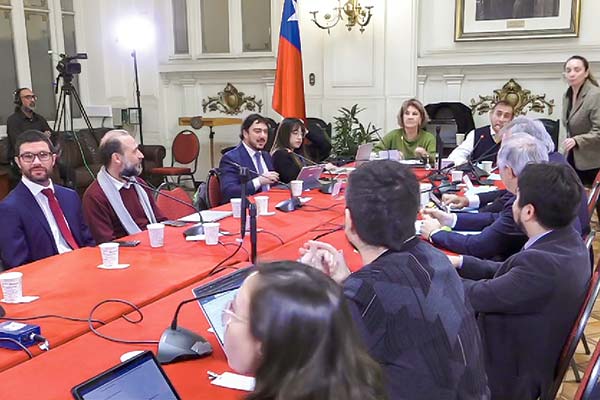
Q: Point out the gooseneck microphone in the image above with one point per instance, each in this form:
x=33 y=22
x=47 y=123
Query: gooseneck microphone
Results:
x=177 y=343
x=194 y=230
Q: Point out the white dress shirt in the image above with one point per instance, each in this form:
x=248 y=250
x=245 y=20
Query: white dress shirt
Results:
x=42 y=200
x=252 y=152
x=461 y=154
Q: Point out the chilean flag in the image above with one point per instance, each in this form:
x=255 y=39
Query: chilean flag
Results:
x=288 y=94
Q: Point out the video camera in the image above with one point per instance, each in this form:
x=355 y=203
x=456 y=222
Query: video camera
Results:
x=68 y=66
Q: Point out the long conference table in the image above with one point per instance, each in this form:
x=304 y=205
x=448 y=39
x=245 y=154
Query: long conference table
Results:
x=157 y=281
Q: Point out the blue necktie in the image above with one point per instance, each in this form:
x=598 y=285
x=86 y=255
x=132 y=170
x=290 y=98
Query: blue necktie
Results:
x=261 y=170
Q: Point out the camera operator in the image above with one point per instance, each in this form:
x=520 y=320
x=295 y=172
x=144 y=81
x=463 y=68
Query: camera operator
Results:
x=25 y=118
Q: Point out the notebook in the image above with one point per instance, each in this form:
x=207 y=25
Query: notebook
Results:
x=140 y=377
x=214 y=297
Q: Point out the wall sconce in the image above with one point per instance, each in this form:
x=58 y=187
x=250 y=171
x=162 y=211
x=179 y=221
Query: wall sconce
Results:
x=355 y=15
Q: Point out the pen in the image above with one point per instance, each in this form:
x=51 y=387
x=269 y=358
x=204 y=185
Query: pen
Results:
x=212 y=375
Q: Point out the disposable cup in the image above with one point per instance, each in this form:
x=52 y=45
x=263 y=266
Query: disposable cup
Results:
x=12 y=286
x=425 y=188
x=457 y=176
x=262 y=205
x=236 y=207
x=156 y=234
x=486 y=166
x=110 y=254
x=296 y=188
x=211 y=233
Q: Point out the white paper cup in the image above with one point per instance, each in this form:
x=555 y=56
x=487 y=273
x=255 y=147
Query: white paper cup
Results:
x=296 y=188
x=12 y=286
x=460 y=137
x=486 y=166
x=156 y=234
x=236 y=207
x=425 y=188
x=211 y=233
x=262 y=205
x=457 y=176
x=110 y=254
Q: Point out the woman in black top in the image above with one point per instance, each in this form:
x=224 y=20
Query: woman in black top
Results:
x=288 y=154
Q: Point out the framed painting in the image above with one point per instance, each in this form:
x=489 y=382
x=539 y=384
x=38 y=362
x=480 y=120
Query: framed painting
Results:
x=515 y=19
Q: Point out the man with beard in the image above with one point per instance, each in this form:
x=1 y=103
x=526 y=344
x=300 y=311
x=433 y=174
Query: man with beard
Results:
x=25 y=118
x=39 y=219
x=254 y=134
x=113 y=206
x=406 y=300
x=527 y=305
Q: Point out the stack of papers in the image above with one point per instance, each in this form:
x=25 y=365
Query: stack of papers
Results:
x=207 y=216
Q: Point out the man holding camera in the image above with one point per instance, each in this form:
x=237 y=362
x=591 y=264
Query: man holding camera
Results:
x=25 y=118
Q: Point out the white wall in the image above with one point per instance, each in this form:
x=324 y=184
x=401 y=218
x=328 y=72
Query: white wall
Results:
x=407 y=50
x=460 y=71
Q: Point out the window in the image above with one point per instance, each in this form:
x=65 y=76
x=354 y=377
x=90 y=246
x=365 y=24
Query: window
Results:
x=223 y=27
x=29 y=30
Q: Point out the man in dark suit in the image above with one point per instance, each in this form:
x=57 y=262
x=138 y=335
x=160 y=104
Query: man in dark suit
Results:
x=39 y=219
x=500 y=236
x=254 y=134
x=494 y=201
x=528 y=304
x=407 y=301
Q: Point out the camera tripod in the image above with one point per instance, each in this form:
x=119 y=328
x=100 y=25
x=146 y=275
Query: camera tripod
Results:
x=69 y=93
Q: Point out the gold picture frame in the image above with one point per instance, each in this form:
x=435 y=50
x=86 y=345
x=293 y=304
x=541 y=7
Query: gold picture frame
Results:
x=516 y=19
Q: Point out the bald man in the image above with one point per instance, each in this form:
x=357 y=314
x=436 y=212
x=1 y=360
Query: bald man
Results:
x=113 y=206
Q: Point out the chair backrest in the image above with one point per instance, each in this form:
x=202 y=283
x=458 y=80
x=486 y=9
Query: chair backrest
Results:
x=594 y=194
x=186 y=147
x=213 y=192
x=272 y=132
x=575 y=336
x=458 y=111
x=589 y=388
x=312 y=122
x=589 y=241
x=553 y=128
x=172 y=209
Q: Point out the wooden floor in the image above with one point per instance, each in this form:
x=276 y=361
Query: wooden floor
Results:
x=592 y=332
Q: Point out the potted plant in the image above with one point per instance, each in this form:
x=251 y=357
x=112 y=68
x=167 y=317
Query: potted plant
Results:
x=349 y=133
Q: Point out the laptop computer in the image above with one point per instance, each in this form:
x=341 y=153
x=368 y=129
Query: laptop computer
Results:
x=363 y=153
x=214 y=297
x=310 y=176
x=140 y=377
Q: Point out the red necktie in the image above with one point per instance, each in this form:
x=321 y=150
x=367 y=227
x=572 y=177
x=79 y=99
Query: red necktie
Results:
x=60 y=218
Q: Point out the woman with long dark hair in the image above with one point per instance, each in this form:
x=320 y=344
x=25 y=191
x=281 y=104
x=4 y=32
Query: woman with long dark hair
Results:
x=290 y=327
x=288 y=153
x=581 y=116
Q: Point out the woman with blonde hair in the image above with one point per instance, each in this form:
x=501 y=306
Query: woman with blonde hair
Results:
x=412 y=140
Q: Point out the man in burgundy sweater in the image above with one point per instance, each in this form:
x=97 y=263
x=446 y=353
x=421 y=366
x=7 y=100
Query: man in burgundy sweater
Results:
x=113 y=206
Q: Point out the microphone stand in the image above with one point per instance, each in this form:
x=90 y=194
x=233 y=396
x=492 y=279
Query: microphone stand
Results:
x=246 y=204
x=438 y=175
x=194 y=230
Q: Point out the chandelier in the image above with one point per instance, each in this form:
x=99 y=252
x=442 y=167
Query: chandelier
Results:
x=355 y=15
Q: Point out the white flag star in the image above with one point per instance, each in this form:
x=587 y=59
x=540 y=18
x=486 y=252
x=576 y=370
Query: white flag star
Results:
x=294 y=16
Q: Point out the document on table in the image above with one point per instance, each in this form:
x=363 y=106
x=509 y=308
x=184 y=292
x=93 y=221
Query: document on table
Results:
x=207 y=216
x=235 y=381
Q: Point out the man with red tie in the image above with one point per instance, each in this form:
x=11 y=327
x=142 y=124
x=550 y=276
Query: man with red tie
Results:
x=39 y=218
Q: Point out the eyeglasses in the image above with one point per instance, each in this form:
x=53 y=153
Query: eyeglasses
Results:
x=30 y=157
x=228 y=313
x=30 y=97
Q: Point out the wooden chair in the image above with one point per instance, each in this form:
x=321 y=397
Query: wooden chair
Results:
x=588 y=388
x=593 y=196
x=566 y=357
x=184 y=151
x=213 y=189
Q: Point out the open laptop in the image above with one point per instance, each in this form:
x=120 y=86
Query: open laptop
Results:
x=310 y=176
x=214 y=297
x=140 y=377
x=363 y=154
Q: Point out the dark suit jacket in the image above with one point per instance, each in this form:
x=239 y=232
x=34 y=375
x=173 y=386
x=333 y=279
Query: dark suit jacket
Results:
x=409 y=306
x=500 y=236
x=25 y=235
x=527 y=306
x=494 y=201
x=230 y=174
